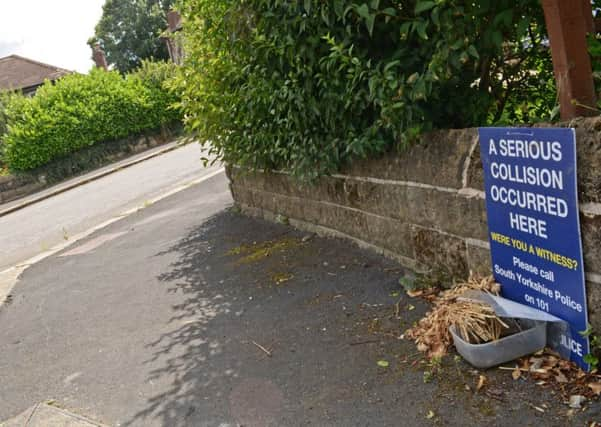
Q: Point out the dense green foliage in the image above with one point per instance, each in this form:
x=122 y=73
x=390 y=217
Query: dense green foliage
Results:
x=81 y=110
x=129 y=31
x=155 y=77
x=306 y=86
x=6 y=97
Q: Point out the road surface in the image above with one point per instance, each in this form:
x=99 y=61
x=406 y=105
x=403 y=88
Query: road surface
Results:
x=38 y=227
x=184 y=314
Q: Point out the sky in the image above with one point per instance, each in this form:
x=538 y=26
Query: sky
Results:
x=50 y=31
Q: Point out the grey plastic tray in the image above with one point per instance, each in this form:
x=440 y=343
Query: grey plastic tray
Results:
x=505 y=349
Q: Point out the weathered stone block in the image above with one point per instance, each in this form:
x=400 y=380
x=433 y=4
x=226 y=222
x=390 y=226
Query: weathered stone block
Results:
x=241 y=194
x=593 y=293
x=591 y=242
x=475 y=173
x=443 y=253
x=7 y=182
x=390 y=234
x=387 y=233
x=588 y=144
x=428 y=207
x=21 y=191
x=13 y=182
x=437 y=160
x=478 y=259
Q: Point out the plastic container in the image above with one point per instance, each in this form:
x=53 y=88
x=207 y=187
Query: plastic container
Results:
x=532 y=339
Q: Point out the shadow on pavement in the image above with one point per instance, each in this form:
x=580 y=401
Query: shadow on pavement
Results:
x=184 y=350
x=277 y=328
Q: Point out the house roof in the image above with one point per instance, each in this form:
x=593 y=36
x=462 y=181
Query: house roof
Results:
x=17 y=72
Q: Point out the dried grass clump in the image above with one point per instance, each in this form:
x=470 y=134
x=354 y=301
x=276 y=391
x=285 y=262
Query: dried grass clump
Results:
x=475 y=321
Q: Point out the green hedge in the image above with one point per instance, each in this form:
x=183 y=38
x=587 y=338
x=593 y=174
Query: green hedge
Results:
x=6 y=98
x=81 y=110
x=308 y=85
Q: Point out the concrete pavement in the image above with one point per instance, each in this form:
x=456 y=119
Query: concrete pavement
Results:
x=187 y=314
x=47 y=415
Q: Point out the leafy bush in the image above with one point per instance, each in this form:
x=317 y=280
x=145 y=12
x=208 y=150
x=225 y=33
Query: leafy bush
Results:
x=307 y=86
x=81 y=110
x=6 y=97
x=155 y=76
x=155 y=73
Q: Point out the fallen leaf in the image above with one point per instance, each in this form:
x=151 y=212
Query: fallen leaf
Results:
x=561 y=378
x=383 y=363
x=595 y=387
x=552 y=361
x=414 y=294
x=481 y=382
x=430 y=415
x=516 y=373
x=541 y=372
x=411 y=307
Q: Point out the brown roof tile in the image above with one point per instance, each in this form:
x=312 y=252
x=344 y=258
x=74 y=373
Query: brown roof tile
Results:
x=17 y=72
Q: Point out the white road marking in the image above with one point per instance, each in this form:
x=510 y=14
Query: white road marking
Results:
x=93 y=244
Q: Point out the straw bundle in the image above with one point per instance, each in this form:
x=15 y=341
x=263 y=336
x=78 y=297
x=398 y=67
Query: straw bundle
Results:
x=475 y=321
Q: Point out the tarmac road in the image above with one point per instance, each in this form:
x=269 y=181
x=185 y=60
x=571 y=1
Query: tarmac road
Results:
x=40 y=226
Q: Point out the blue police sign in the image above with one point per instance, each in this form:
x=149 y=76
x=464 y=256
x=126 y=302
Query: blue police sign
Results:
x=533 y=224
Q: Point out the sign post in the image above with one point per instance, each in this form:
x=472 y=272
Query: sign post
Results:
x=534 y=226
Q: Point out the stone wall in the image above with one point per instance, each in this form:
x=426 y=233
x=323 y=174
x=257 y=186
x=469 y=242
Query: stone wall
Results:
x=13 y=187
x=423 y=207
